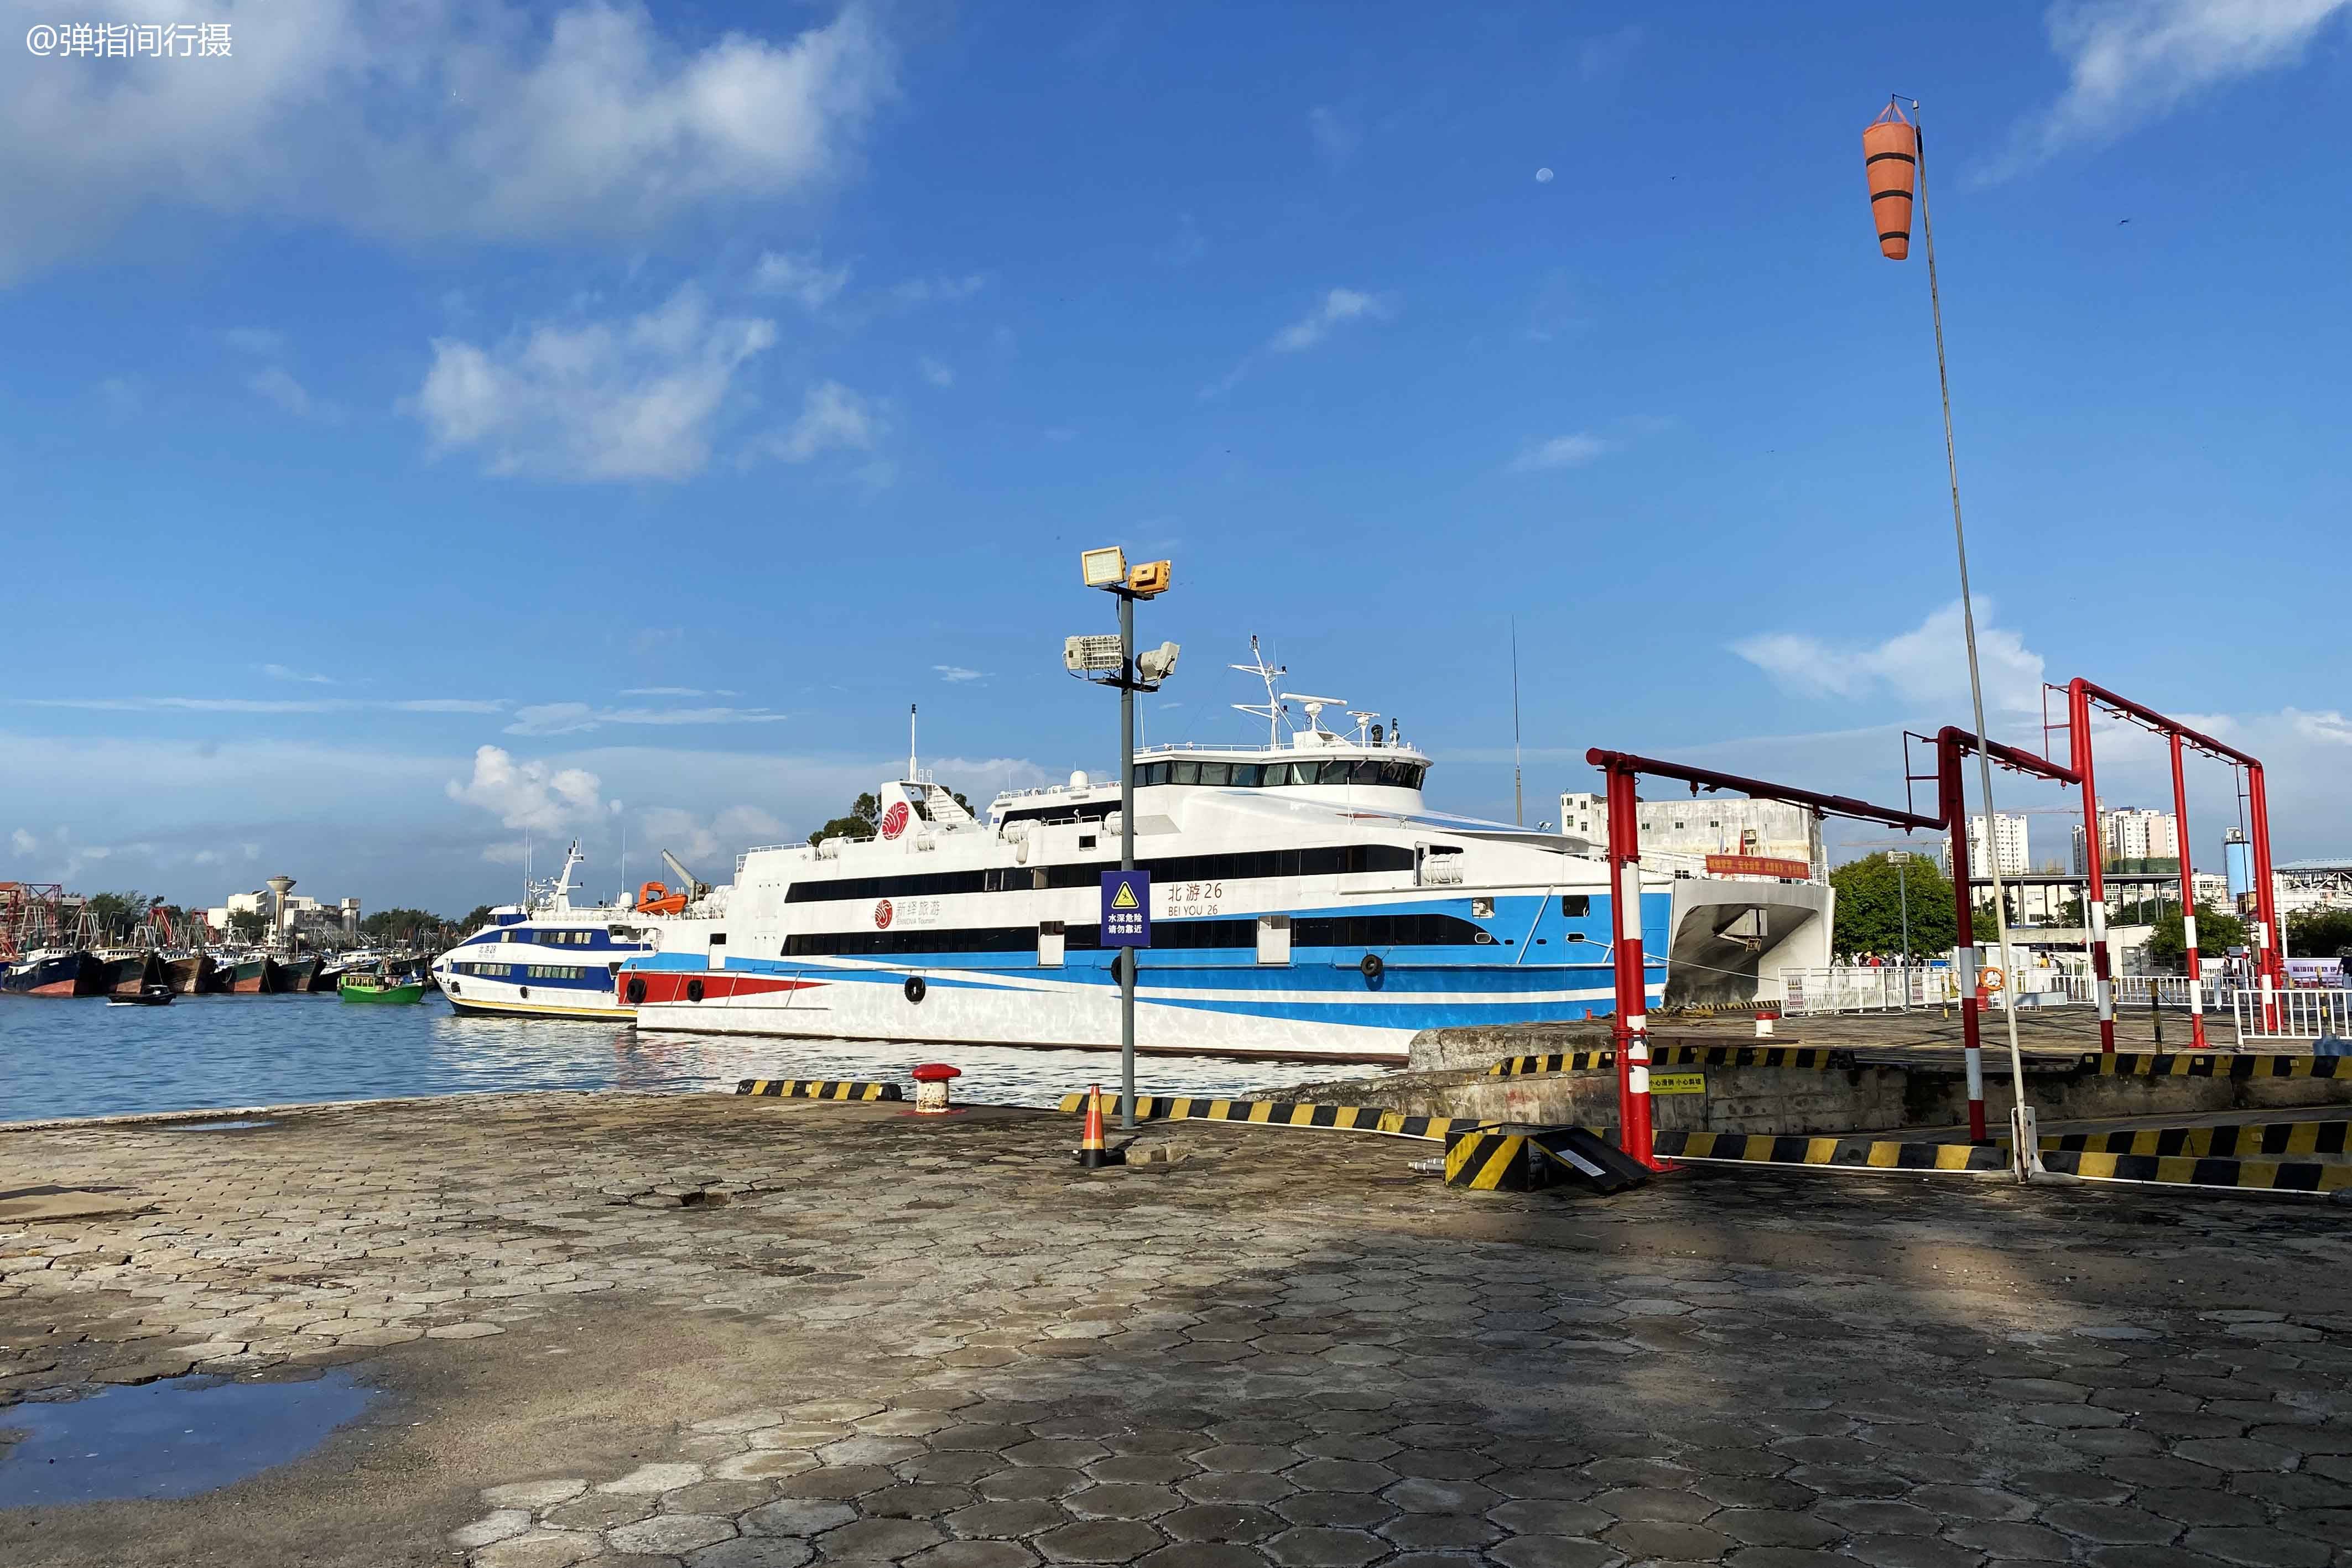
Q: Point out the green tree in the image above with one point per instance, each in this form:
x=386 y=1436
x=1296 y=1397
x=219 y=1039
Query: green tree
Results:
x=2168 y=942
x=2316 y=933
x=248 y=925
x=116 y=915
x=1871 y=895
x=474 y=919
x=863 y=821
x=389 y=923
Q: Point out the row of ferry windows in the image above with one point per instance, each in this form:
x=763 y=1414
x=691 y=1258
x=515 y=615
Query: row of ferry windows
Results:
x=1326 y=860
x=1272 y=775
x=524 y=971
x=1347 y=931
x=582 y=938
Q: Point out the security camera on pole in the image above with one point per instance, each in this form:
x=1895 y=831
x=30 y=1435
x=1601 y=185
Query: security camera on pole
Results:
x=1112 y=662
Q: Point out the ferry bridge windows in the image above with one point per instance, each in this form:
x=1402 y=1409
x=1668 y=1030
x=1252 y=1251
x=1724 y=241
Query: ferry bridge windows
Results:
x=1324 y=859
x=1392 y=772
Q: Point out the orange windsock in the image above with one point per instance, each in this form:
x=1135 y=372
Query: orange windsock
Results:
x=1890 y=156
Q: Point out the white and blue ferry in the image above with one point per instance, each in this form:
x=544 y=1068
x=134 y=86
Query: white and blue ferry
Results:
x=546 y=958
x=1305 y=902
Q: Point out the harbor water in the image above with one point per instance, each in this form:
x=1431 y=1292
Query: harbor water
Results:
x=83 y=1058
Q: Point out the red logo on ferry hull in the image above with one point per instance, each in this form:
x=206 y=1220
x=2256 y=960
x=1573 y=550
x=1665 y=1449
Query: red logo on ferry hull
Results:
x=894 y=821
x=882 y=915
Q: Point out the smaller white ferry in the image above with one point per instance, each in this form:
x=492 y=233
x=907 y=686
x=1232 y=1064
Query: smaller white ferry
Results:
x=546 y=958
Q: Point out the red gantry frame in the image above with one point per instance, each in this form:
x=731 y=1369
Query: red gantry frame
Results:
x=2270 y=947
x=1622 y=772
x=1951 y=745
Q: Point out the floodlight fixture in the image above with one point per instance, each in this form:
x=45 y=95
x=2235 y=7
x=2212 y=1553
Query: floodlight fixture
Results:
x=1157 y=665
x=1148 y=579
x=1083 y=655
x=1104 y=568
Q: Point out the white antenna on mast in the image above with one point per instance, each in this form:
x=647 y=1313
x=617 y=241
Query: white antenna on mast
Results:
x=910 y=742
x=1271 y=709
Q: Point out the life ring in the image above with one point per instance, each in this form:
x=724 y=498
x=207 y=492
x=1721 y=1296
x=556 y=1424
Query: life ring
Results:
x=1371 y=968
x=636 y=991
x=915 y=988
x=694 y=991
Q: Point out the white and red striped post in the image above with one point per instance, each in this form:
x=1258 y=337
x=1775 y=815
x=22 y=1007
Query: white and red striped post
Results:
x=2095 y=897
x=1631 y=971
x=1953 y=797
x=2270 y=937
x=2187 y=902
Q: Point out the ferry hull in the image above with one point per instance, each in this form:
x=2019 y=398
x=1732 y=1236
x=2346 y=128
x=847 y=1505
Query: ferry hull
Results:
x=466 y=998
x=1308 y=1012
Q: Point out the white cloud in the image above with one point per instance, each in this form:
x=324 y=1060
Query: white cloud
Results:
x=262 y=342
x=1336 y=136
x=625 y=400
x=832 y=417
x=534 y=795
x=938 y=374
x=2132 y=61
x=664 y=692
x=939 y=290
x=803 y=278
x=1338 y=306
x=1927 y=666
x=277 y=384
x=957 y=673
x=2329 y=726
x=485 y=120
x=704 y=842
x=280 y=672
x=567 y=719
x=1563 y=452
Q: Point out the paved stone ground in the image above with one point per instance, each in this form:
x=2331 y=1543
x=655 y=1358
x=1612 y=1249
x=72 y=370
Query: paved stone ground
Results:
x=943 y=1345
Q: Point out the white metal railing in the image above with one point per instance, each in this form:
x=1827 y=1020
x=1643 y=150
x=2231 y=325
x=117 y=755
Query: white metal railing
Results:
x=2294 y=1015
x=1864 y=989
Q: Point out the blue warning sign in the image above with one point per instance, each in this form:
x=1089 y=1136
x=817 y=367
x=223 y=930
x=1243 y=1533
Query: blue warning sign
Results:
x=1127 y=909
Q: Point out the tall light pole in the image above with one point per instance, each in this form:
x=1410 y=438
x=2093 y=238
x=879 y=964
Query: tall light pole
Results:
x=1118 y=666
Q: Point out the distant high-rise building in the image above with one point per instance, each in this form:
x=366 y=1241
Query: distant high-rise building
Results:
x=2008 y=837
x=2129 y=837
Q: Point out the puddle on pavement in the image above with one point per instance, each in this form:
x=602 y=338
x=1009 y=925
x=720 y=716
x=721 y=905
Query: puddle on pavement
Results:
x=237 y=1125
x=168 y=1439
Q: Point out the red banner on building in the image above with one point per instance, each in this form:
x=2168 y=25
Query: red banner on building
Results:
x=1757 y=866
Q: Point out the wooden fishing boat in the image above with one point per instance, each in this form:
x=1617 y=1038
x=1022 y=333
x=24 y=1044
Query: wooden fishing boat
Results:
x=193 y=975
x=294 y=974
x=255 y=975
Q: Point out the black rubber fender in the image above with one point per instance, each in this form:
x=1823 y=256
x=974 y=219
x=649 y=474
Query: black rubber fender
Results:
x=636 y=989
x=1372 y=968
x=693 y=989
x=915 y=988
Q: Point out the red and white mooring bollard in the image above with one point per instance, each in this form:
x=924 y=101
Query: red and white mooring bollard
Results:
x=1764 y=1018
x=931 y=1081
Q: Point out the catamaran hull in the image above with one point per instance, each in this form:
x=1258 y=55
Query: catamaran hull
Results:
x=1324 y=1012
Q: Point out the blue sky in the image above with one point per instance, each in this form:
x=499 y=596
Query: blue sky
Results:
x=666 y=398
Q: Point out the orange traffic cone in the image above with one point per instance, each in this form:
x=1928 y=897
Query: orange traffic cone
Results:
x=1092 y=1155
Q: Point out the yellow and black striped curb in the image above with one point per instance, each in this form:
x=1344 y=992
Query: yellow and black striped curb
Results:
x=818 y=1089
x=2228 y=1143
x=1523 y=1159
x=1280 y=1113
x=1813 y=1057
x=2264 y=1176
x=1805 y=1057
x=1849 y=1154
x=1558 y=1062
x=2141 y=1065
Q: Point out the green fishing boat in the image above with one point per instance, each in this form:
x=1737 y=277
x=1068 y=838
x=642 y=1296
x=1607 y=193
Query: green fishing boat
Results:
x=378 y=989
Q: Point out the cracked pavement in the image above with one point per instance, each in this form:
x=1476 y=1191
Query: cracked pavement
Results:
x=627 y=1330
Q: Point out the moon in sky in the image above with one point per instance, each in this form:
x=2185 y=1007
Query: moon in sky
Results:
x=1543 y=177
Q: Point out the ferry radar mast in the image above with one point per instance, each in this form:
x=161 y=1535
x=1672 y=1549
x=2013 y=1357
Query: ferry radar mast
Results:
x=1271 y=710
